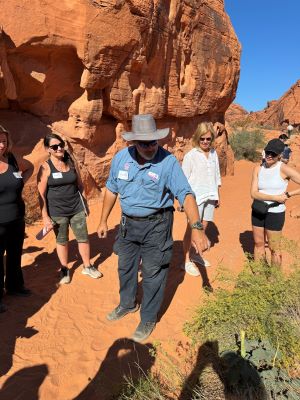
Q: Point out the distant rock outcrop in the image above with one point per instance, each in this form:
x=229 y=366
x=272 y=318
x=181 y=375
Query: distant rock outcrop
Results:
x=85 y=67
x=235 y=112
x=279 y=113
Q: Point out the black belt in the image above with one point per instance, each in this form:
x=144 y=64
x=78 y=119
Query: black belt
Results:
x=152 y=216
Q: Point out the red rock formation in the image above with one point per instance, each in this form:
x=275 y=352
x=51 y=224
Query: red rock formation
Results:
x=86 y=66
x=279 y=113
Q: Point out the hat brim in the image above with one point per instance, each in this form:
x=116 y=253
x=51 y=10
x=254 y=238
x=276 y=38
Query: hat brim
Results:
x=158 y=134
x=276 y=151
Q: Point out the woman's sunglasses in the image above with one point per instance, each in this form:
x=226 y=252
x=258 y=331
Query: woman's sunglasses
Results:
x=56 y=146
x=145 y=145
x=205 y=139
x=271 y=154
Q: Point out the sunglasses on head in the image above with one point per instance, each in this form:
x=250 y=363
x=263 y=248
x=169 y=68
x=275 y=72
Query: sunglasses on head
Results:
x=145 y=145
x=56 y=146
x=205 y=139
x=271 y=154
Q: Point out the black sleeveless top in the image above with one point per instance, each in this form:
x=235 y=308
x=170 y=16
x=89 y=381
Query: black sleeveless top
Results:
x=11 y=185
x=63 y=198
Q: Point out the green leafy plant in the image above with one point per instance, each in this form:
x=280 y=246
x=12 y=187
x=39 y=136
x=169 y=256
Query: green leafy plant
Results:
x=258 y=304
x=247 y=144
x=258 y=370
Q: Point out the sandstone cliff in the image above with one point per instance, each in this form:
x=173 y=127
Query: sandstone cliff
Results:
x=84 y=67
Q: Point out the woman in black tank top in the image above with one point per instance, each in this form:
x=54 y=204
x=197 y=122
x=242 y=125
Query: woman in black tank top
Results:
x=62 y=205
x=12 y=225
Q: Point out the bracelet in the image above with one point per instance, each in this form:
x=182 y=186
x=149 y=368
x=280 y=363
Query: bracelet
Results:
x=287 y=195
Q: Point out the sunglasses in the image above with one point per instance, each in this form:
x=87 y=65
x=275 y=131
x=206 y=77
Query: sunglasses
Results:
x=271 y=154
x=205 y=139
x=145 y=145
x=56 y=146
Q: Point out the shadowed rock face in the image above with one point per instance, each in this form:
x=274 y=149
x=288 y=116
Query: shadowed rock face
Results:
x=84 y=67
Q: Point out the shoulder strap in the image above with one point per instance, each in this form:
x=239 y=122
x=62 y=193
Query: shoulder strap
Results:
x=12 y=161
x=51 y=166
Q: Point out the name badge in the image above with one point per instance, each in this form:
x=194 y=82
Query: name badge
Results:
x=18 y=175
x=123 y=175
x=57 y=175
x=153 y=176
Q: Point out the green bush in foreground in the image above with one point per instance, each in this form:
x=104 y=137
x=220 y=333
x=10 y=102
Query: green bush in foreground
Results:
x=247 y=144
x=264 y=303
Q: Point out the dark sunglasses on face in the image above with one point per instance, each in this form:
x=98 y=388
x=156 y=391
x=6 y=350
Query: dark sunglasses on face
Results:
x=145 y=145
x=271 y=154
x=56 y=146
x=205 y=139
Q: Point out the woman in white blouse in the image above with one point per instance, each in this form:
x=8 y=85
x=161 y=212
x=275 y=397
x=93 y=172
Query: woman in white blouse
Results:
x=201 y=167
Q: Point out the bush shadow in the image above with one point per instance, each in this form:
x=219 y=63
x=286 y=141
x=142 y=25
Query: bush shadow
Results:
x=124 y=359
x=227 y=376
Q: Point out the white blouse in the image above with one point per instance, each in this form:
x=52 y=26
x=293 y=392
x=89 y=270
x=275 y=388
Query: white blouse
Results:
x=203 y=174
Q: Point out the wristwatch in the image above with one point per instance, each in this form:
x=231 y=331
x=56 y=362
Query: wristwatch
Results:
x=197 y=225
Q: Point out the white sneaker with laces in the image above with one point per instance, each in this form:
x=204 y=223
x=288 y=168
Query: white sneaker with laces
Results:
x=199 y=260
x=92 y=272
x=191 y=269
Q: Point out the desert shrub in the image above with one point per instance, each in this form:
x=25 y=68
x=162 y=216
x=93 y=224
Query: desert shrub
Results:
x=260 y=304
x=146 y=387
x=247 y=144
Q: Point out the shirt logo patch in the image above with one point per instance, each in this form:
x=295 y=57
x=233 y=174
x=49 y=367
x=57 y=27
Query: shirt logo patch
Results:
x=123 y=175
x=126 y=166
x=57 y=175
x=18 y=175
x=153 y=176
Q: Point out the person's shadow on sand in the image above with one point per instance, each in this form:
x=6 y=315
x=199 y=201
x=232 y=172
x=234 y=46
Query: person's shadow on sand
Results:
x=247 y=242
x=41 y=277
x=102 y=248
x=212 y=233
x=212 y=375
x=124 y=358
x=24 y=384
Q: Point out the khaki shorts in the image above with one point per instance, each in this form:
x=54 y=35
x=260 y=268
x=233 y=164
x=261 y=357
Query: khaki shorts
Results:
x=78 y=226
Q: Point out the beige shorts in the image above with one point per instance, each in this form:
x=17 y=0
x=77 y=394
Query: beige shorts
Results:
x=206 y=210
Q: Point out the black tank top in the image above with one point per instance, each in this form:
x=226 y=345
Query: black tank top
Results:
x=63 y=197
x=11 y=185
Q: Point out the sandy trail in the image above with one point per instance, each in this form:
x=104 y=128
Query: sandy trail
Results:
x=57 y=343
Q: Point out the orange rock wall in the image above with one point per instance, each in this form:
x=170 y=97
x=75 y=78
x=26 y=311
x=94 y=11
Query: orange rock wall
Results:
x=84 y=67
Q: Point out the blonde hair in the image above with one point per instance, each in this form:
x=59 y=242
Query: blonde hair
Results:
x=9 y=142
x=202 y=129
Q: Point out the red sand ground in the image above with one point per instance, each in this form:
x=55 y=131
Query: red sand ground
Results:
x=57 y=343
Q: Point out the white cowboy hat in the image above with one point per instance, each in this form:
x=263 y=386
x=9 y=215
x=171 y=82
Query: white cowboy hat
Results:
x=144 y=129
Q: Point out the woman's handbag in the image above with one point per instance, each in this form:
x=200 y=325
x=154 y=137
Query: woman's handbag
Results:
x=261 y=207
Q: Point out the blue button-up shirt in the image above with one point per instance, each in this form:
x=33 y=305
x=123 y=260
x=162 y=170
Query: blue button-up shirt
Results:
x=145 y=189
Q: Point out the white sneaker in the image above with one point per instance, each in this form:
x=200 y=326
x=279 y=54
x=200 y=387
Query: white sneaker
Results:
x=92 y=272
x=64 y=277
x=199 y=260
x=191 y=269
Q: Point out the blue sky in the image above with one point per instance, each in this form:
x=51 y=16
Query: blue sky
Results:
x=269 y=31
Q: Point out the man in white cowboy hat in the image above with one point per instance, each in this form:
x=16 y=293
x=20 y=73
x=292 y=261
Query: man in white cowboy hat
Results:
x=147 y=178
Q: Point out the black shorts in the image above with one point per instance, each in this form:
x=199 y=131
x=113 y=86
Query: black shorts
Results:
x=270 y=221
